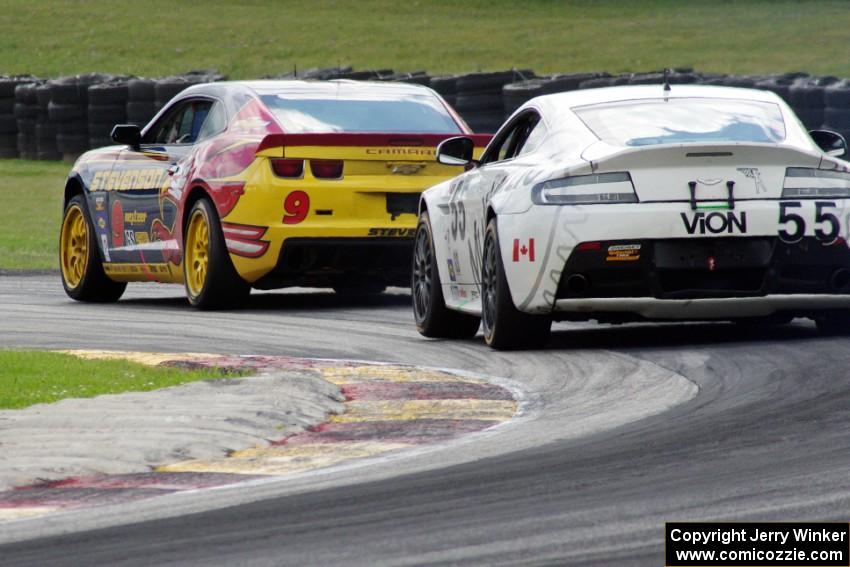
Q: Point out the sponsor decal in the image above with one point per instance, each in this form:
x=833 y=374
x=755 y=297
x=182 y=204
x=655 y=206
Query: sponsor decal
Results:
x=623 y=253
x=717 y=222
x=129 y=238
x=457 y=262
x=403 y=232
x=463 y=294
x=151 y=178
x=142 y=237
x=100 y=203
x=135 y=268
x=474 y=294
x=400 y=151
x=523 y=249
x=117 y=224
x=452 y=275
x=135 y=217
x=754 y=174
x=105 y=245
x=711 y=263
x=454 y=291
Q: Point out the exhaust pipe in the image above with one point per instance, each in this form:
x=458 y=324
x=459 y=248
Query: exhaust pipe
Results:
x=578 y=284
x=840 y=279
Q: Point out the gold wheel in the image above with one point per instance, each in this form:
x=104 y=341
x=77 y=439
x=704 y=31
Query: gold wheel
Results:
x=75 y=246
x=197 y=258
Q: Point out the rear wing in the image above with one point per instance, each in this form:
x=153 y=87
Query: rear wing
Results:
x=370 y=146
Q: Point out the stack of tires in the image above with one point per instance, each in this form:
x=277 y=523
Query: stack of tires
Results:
x=446 y=87
x=107 y=107
x=45 y=130
x=836 y=114
x=9 y=111
x=516 y=94
x=168 y=87
x=366 y=75
x=26 y=114
x=779 y=84
x=8 y=118
x=414 y=77
x=68 y=110
x=807 y=97
x=479 y=97
x=141 y=101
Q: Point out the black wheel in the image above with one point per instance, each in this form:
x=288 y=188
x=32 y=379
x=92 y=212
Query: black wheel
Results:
x=82 y=270
x=433 y=318
x=505 y=327
x=210 y=279
x=834 y=322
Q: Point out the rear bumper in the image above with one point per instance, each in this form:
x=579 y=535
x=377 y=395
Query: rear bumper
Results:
x=706 y=278
x=330 y=262
x=635 y=308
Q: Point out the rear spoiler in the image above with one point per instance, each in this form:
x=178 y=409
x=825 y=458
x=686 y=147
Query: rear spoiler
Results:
x=364 y=139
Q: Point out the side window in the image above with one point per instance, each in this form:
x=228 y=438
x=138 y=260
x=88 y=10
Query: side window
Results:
x=182 y=125
x=512 y=141
x=214 y=123
x=534 y=139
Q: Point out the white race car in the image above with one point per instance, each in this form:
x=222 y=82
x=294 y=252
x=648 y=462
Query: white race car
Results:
x=633 y=204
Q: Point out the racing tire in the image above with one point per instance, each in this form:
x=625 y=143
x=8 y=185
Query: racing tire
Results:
x=209 y=277
x=79 y=259
x=834 y=323
x=433 y=318
x=505 y=326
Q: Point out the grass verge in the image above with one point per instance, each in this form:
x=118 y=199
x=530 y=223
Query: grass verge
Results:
x=250 y=38
x=35 y=377
x=31 y=214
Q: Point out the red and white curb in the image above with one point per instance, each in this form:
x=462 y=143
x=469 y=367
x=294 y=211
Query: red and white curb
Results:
x=387 y=408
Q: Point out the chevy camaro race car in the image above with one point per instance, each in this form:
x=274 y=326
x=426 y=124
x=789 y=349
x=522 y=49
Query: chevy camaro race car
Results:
x=636 y=203
x=259 y=184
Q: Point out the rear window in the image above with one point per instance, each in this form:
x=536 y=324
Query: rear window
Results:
x=412 y=114
x=682 y=120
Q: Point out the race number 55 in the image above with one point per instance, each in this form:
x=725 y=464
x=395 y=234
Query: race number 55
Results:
x=827 y=227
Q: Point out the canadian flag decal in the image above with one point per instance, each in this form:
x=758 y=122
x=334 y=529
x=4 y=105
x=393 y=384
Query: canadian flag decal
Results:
x=523 y=249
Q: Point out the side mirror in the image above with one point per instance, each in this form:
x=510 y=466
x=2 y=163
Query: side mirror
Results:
x=832 y=143
x=129 y=134
x=455 y=151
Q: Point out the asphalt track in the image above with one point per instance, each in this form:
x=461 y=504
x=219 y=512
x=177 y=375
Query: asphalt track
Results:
x=624 y=428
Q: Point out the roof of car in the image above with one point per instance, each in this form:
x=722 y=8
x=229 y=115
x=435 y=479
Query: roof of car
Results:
x=573 y=99
x=332 y=88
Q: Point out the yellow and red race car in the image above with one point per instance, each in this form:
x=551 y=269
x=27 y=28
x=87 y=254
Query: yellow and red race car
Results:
x=262 y=184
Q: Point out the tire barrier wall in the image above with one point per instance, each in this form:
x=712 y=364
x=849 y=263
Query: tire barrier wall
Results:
x=63 y=117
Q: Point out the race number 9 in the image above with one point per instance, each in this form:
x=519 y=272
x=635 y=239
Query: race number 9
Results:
x=296 y=205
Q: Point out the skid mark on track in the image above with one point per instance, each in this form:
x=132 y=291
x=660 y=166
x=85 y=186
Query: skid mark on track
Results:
x=388 y=408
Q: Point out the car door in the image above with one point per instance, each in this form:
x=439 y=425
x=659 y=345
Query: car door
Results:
x=145 y=215
x=468 y=203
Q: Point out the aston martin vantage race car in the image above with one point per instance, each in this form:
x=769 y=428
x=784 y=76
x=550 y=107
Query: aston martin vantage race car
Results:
x=259 y=184
x=633 y=204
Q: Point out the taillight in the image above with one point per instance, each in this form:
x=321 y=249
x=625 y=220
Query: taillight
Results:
x=326 y=168
x=290 y=168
